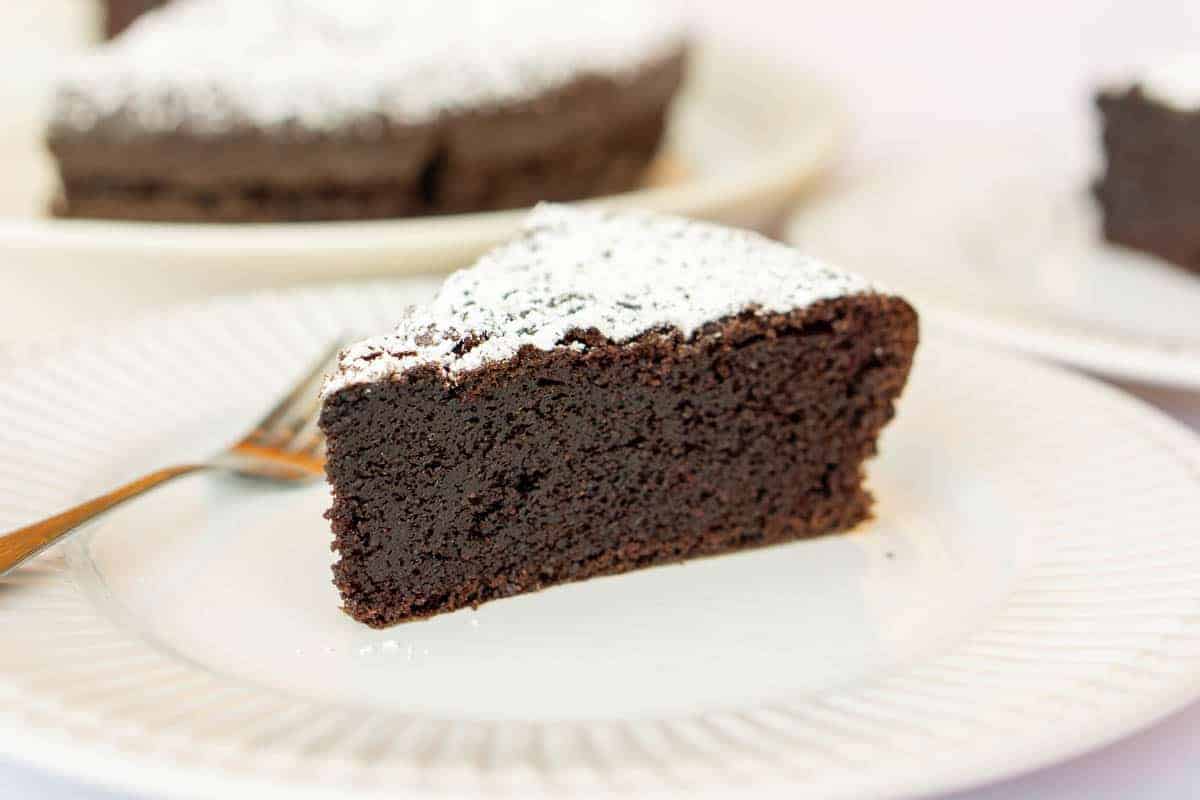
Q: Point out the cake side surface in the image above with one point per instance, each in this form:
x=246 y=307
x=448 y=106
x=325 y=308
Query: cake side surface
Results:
x=607 y=392
x=565 y=464
x=1149 y=192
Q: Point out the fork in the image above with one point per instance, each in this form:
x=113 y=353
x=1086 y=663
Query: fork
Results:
x=286 y=447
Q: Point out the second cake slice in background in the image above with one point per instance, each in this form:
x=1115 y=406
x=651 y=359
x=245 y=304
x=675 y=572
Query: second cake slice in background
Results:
x=1149 y=193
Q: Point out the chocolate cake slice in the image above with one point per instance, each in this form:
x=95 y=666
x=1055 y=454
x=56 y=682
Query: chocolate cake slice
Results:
x=607 y=392
x=1150 y=190
x=293 y=110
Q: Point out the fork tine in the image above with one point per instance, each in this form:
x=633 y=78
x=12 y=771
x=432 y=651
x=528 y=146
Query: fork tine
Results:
x=288 y=425
x=298 y=407
x=308 y=439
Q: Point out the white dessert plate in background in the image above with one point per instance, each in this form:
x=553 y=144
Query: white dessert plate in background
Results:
x=1029 y=589
x=746 y=137
x=1000 y=241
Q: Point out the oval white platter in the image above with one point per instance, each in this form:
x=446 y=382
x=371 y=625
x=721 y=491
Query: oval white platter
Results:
x=1000 y=241
x=1029 y=589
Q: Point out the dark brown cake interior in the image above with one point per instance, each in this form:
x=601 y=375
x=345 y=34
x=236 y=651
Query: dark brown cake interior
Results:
x=562 y=465
x=1150 y=190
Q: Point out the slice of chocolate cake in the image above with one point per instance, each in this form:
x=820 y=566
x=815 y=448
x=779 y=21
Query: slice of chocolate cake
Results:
x=1150 y=190
x=281 y=110
x=607 y=392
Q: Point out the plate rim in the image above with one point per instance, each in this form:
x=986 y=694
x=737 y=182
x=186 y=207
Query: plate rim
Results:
x=131 y=772
x=1138 y=361
x=1142 y=360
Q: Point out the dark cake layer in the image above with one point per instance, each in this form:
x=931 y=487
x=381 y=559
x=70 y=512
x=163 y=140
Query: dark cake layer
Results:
x=592 y=137
x=1150 y=190
x=561 y=465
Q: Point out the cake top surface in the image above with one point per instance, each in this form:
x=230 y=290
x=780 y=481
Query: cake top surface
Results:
x=212 y=65
x=621 y=273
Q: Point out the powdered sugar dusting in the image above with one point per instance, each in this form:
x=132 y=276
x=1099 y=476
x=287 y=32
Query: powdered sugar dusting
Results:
x=1174 y=82
x=321 y=64
x=621 y=273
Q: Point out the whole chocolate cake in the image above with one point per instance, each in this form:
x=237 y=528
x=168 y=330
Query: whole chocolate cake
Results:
x=607 y=392
x=274 y=110
x=1150 y=190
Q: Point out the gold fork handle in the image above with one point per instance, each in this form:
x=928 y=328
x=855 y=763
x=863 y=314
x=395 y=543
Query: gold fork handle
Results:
x=23 y=544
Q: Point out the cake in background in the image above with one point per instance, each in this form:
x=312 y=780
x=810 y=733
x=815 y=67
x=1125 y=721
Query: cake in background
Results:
x=276 y=110
x=118 y=14
x=609 y=391
x=1149 y=192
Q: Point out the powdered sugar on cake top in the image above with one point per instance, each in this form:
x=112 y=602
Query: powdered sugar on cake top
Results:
x=1174 y=82
x=623 y=274
x=212 y=65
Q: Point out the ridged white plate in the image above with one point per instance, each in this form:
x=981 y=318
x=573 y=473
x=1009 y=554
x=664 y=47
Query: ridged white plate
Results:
x=746 y=137
x=1000 y=240
x=1029 y=589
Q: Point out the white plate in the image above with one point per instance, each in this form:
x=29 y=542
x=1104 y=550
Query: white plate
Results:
x=1029 y=589
x=746 y=137
x=1001 y=242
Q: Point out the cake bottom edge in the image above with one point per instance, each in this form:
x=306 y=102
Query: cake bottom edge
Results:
x=1179 y=252
x=266 y=203
x=616 y=560
x=445 y=185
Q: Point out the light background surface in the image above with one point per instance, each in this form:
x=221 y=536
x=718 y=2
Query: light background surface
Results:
x=917 y=74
